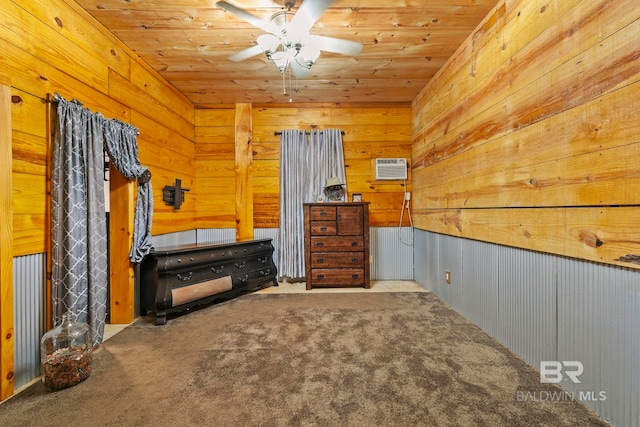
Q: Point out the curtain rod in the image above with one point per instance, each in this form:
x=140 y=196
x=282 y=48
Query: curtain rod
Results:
x=277 y=133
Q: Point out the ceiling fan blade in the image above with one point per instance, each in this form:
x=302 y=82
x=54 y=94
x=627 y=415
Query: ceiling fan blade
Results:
x=247 y=53
x=308 y=14
x=247 y=17
x=341 y=46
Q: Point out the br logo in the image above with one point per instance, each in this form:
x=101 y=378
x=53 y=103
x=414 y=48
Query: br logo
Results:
x=553 y=371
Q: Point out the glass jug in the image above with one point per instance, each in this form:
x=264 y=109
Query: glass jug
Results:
x=66 y=354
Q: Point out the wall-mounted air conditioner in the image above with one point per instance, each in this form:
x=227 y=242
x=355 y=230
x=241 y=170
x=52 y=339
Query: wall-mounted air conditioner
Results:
x=391 y=169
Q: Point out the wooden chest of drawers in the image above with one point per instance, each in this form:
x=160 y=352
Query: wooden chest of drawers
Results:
x=336 y=241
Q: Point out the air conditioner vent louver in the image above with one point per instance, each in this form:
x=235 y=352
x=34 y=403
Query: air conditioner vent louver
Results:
x=391 y=169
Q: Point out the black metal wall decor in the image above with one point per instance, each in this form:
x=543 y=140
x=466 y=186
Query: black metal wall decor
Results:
x=173 y=195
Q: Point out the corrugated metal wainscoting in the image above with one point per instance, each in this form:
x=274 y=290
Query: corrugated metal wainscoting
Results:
x=391 y=253
x=216 y=235
x=547 y=308
x=29 y=317
x=172 y=239
x=391 y=248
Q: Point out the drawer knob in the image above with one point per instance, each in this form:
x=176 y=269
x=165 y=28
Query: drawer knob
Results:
x=323 y=228
x=319 y=244
x=240 y=264
x=263 y=260
x=320 y=276
x=354 y=259
x=354 y=243
x=323 y=213
x=217 y=270
x=354 y=276
x=320 y=260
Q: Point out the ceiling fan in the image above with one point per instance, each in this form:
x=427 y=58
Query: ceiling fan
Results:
x=287 y=41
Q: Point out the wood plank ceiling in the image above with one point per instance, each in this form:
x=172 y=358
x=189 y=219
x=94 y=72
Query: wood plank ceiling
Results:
x=189 y=42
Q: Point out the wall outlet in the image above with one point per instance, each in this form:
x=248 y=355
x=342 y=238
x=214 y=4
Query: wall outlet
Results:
x=447 y=276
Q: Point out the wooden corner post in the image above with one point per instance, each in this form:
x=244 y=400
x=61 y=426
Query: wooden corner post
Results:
x=244 y=179
x=7 y=342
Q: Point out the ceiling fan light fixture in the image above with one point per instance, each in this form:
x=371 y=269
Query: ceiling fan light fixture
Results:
x=269 y=43
x=309 y=53
x=288 y=42
x=281 y=59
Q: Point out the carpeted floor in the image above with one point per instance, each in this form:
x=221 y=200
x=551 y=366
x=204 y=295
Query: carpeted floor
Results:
x=325 y=359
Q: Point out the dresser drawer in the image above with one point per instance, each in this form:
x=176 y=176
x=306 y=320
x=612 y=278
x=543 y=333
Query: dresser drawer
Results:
x=337 y=259
x=322 y=213
x=247 y=248
x=332 y=244
x=242 y=265
x=323 y=228
x=195 y=273
x=337 y=277
x=251 y=279
x=191 y=260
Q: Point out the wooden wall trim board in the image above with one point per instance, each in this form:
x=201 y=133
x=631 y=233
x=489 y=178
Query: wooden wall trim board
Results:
x=244 y=177
x=52 y=117
x=121 y=272
x=604 y=234
x=7 y=341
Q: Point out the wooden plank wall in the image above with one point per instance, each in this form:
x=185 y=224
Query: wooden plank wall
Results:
x=529 y=137
x=61 y=49
x=371 y=131
x=215 y=167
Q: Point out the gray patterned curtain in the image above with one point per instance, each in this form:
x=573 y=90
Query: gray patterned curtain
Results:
x=122 y=146
x=305 y=166
x=325 y=160
x=78 y=220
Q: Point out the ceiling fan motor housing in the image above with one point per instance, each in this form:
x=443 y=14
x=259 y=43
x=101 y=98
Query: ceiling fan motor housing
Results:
x=289 y=4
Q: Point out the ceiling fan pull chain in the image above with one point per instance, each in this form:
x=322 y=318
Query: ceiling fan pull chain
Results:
x=290 y=92
x=284 y=83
